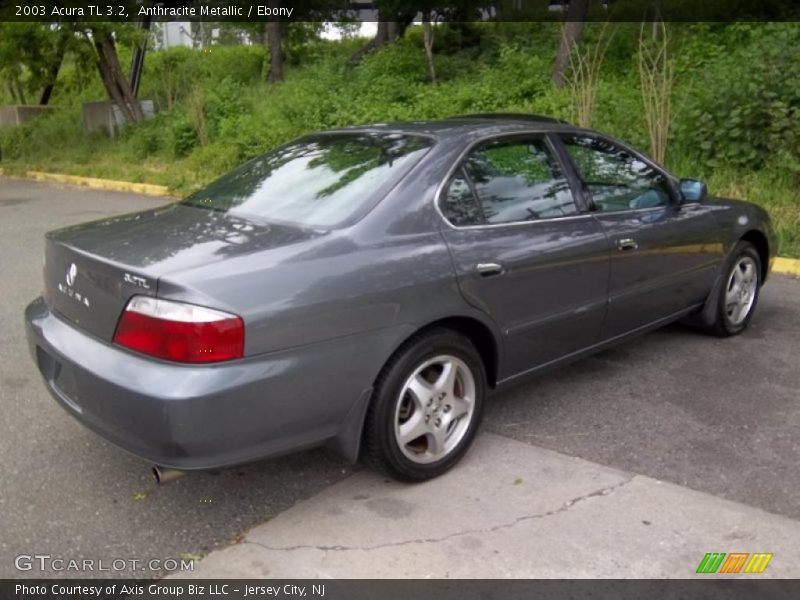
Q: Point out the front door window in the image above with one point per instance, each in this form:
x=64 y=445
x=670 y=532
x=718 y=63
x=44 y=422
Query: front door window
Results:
x=616 y=179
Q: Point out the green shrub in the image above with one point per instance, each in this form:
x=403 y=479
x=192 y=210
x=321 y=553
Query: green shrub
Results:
x=744 y=104
x=145 y=140
x=183 y=134
x=13 y=140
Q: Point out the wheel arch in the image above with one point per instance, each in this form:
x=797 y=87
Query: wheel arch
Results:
x=375 y=442
x=483 y=336
x=759 y=240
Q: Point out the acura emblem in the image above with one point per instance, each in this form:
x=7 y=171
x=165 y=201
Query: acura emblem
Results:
x=72 y=272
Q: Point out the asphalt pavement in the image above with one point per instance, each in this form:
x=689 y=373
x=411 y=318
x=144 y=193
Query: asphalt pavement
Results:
x=716 y=416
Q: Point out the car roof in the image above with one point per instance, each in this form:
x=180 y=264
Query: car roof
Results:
x=470 y=125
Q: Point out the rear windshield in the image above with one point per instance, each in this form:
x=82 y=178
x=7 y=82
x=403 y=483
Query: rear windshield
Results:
x=319 y=182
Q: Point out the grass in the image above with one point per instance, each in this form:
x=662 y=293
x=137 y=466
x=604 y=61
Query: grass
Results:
x=777 y=193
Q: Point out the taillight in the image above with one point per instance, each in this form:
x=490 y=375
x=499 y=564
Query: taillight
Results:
x=180 y=332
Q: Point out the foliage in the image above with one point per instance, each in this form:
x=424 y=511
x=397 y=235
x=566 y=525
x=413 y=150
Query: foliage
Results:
x=735 y=103
x=744 y=105
x=28 y=52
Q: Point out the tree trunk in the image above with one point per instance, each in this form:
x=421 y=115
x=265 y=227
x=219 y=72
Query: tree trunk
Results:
x=427 y=29
x=388 y=32
x=117 y=86
x=398 y=28
x=275 y=74
x=391 y=32
x=381 y=38
x=576 y=15
x=15 y=87
x=61 y=49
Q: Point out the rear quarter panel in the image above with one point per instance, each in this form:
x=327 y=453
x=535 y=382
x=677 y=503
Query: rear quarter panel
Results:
x=390 y=268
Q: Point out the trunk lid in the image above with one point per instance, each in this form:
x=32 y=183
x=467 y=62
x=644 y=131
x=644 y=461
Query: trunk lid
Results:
x=92 y=270
x=88 y=290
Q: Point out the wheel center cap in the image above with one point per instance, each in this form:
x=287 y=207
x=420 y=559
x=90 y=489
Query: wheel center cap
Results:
x=434 y=412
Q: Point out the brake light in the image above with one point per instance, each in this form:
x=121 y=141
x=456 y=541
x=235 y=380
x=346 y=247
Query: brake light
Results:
x=180 y=332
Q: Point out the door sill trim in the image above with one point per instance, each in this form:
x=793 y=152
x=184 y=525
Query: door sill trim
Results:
x=602 y=345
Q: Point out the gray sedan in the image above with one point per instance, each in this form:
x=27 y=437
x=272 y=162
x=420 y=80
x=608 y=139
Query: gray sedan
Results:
x=366 y=288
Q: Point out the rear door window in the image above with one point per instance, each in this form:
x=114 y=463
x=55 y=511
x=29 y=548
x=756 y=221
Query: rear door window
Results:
x=459 y=204
x=518 y=180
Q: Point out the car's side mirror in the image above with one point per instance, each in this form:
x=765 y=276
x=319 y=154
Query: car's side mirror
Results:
x=693 y=190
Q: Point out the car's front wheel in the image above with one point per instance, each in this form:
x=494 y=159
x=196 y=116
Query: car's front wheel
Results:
x=426 y=407
x=738 y=294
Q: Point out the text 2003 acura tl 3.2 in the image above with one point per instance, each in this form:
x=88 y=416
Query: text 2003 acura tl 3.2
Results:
x=366 y=287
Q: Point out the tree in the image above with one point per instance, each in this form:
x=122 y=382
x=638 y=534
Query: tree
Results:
x=63 y=38
x=427 y=39
x=576 y=15
x=273 y=31
x=396 y=15
x=102 y=37
x=30 y=58
x=439 y=10
x=279 y=33
x=394 y=18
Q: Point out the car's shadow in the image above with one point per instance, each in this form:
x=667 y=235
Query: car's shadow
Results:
x=717 y=415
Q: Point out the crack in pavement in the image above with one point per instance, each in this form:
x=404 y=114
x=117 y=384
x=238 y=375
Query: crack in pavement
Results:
x=563 y=508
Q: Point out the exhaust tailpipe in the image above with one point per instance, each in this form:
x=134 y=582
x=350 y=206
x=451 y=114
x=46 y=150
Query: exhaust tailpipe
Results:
x=165 y=475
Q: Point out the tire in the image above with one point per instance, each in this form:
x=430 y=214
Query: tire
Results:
x=734 y=309
x=425 y=388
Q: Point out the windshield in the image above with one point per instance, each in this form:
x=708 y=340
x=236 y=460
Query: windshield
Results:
x=318 y=182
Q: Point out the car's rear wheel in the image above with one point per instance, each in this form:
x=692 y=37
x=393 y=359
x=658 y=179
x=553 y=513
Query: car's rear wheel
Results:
x=738 y=294
x=426 y=407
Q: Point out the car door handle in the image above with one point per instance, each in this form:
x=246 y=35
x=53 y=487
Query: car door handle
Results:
x=489 y=269
x=627 y=244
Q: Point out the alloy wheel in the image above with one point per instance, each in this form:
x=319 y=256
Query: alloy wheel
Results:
x=741 y=290
x=434 y=409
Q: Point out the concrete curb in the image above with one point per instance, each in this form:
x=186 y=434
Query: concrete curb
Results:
x=110 y=185
x=786 y=266
x=782 y=265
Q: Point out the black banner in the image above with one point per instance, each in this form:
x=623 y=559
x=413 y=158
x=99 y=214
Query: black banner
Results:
x=354 y=10
x=438 y=589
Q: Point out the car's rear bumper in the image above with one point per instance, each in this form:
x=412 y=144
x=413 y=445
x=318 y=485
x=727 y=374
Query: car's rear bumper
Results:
x=209 y=416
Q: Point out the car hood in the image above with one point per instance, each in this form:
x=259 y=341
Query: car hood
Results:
x=742 y=205
x=175 y=238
